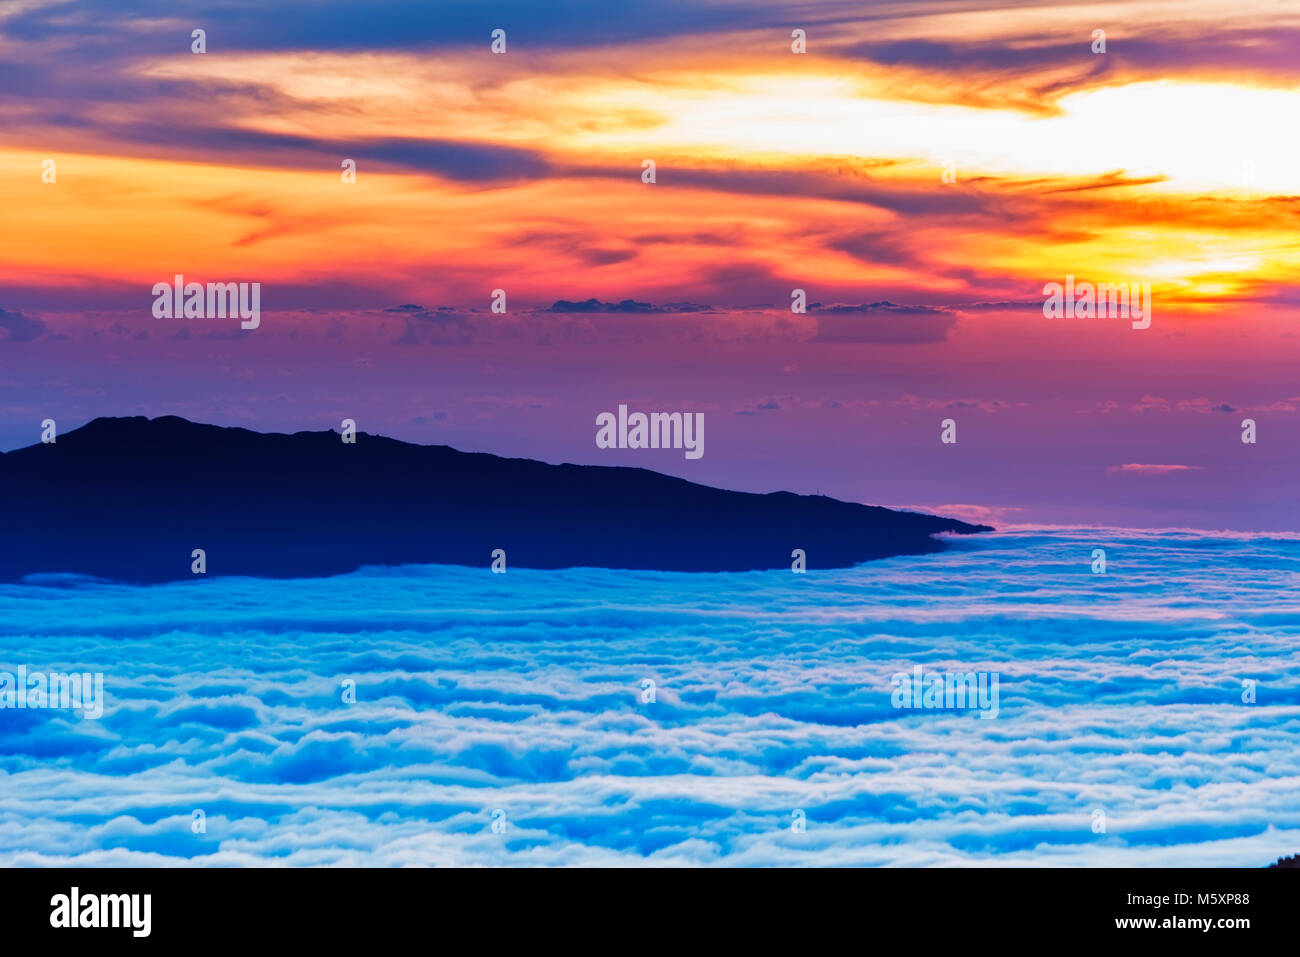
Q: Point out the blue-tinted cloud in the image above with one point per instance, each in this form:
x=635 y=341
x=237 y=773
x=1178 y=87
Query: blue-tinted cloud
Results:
x=523 y=692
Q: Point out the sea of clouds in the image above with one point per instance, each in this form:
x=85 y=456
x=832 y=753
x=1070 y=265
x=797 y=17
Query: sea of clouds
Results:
x=522 y=693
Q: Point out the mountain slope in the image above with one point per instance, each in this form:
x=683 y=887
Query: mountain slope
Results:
x=130 y=498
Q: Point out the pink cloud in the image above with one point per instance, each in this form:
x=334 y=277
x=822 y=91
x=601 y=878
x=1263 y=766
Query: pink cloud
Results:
x=1151 y=469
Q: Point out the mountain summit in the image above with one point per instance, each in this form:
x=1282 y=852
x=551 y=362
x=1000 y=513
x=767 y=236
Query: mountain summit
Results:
x=129 y=499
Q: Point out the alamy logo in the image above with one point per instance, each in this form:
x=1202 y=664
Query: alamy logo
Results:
x=218 y=300
x=658 y=430
x=103 y=910
x=82 y=692
x=947 y=689
x=1105 y=300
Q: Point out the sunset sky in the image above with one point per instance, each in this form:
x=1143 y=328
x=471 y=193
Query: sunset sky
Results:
x=1173 y=158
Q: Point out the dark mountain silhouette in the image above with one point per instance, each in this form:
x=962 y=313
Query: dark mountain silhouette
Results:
x=129 y=499
x=1292 y=861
